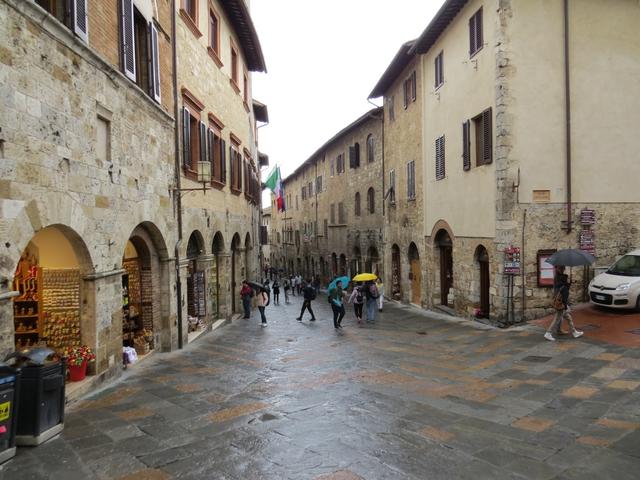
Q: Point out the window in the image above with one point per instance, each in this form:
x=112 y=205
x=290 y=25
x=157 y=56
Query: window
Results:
x=340 y=164
x=409 y=89
x=475 y=32
x=481 y=136
x=331 y=167
x=214 y=37
x=217 y=156
x=297 y=205
x=103 y=143
x=371 y=200
x=332 y=214
x=72 y=14
x=193 y=141
x=354 y=155
x=234 y=66
x=392 y=108
x=326 y=228
x=370 y=149
x=440 y=171
x=191 y=7
x=342 y=214
x=245 y=88
x=439 y=70
x=319 y=184
x=139 y=48
x=392 y=186
x=310 y=189
x=356 y=210
x=235 y=162
x=411 y=180
x=304 y=193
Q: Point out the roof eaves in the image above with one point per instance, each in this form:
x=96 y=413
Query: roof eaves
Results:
x=438 y=24
x=397 y=65
x=240 y=18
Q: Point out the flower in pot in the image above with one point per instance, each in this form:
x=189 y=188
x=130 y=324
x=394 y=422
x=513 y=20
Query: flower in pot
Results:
x=78 y=355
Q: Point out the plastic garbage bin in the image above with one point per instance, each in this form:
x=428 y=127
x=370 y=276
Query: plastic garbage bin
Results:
x=41 y=401
x=9 y=386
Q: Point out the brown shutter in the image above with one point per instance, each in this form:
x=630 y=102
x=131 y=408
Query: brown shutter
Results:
x=210 y=150
x=466 y=146
x=413 y=86
x=487 y=137
x=223 y=161
x=356 y=149
x=127 y=39
x=406 y=94
x=440 y=166
x=239 y=169
x=203 y=143
x=155 y=64
x=186 y=139
x=472 y=35
x=352 y=156
x=80 y=22
x=479 y=39
x=232 y=167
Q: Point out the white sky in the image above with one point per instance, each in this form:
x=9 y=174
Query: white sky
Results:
x=323 y=59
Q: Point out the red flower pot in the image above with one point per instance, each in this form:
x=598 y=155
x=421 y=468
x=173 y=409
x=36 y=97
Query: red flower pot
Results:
x=77 y=372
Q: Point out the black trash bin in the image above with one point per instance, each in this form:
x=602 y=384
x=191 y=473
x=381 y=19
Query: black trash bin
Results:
x=9 y=386
x=41 y=401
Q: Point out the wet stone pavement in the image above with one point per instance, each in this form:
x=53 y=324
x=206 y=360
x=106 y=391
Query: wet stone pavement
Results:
x=412 y=397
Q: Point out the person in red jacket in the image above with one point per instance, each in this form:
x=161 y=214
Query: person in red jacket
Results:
x=246 y=292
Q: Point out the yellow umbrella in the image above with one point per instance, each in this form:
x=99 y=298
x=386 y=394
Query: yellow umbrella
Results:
x=365 y=277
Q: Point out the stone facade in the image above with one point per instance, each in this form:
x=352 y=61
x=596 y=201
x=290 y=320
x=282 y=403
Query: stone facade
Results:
x=313 y=240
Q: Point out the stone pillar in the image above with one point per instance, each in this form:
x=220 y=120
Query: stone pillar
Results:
x=184 y=272
x=225 y=290
x=7 y=328
x=204 y=263
x=167 y=339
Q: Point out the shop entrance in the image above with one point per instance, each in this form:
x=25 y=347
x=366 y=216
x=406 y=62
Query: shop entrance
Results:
x=196 y=293
x=445 y=247
x=49 y=278
x=235 y=247
x=218 y=250
x=416 y=274
x=396 y=289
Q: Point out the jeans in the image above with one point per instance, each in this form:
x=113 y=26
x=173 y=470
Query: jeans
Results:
x=307 y=305
x=555 y=325
x=246 y=304
x=264 y=318
x=371 y=309
x=276 y=298
x=357 y=308
x=338 y=313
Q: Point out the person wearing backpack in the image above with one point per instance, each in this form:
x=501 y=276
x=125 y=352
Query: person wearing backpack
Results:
x=309 y=295
x=246 y=292
x=357 y=298
x=372 y=294
x=561 y=304
x=276 y=292
x=262 y=302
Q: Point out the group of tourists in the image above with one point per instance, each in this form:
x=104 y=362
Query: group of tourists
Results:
x=369 y=294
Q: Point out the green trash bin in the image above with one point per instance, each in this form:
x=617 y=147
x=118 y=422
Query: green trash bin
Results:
x=9 y=394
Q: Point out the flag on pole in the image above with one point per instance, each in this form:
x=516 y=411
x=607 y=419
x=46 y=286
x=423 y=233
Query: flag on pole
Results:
x=274 y=183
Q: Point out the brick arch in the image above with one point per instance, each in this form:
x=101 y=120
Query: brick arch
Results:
x=442 y=225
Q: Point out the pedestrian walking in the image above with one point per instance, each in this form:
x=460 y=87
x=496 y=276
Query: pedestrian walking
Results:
x=262 y=302
x=357 y=298
x=372 y=294
x=336 y=295
x=316 y=284
x=287 y=287
x=380 y=287
x=246 y=292
x=309 y=295
x=276 y=292
x=561 y=304
x=292 y=281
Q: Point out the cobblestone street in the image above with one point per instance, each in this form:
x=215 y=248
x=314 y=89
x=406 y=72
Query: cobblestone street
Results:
x=411 y=397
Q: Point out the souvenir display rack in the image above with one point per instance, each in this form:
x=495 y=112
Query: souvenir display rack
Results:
x=61 y=307
x=27 y=307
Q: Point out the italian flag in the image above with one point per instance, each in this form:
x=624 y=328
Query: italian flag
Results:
x=274 y=183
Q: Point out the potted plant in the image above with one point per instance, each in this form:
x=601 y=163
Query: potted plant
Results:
x=77 y=359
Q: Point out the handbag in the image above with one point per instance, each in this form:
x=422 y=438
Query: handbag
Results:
x=556 y=301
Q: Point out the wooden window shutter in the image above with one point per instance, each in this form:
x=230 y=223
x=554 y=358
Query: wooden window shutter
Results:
x=186 y=139
x=239 y=170
x=352 y=156
x=406 y=94
x=210 y=150
x=440 y=166
x=155 y=63
x=487 y=137
x=223 y=161
x=479 y=38
x=80 y=20
x=203 y=143
x=232 y=167
x=466 y=145
x=472 y=35
x=128 y=40
x=413 y=86
x=436 y=63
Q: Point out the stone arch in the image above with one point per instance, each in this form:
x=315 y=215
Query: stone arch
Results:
x=439 y=226
x=195 y=245
x=219 y=274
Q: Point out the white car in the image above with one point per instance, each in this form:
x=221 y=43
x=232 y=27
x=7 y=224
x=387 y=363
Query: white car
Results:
x=619 y=286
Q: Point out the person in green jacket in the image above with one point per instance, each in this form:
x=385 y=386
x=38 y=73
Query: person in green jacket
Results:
x=337 y=305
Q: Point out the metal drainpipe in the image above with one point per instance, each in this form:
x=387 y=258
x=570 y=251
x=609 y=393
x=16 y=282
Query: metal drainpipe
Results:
x=522 y=264
x=567 y=88
x=177 y=198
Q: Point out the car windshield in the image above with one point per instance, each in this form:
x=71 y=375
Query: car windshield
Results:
x=628 y=266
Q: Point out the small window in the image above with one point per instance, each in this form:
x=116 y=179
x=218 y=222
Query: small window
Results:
x=439 y=70
x=214 y=36
x=409 y=90
x=191 y=8
x=371 y=200
x=332 y=214
x=326 y=228
x=245 y=88
x=234 y=65
x=483 y=138
x=354 y=155
x=331 y=167
x=310 y=189
x=319 y=185
x=440 y=166
x=392 y=108
x=392 y=186
x=340 y=164
x=342 y=214
x=236 y=168
x=411 y=180
x=370 y=149
x=475 y=32
x=356 y=210
x=304 y=193
x=72 y=14
x=217 y=157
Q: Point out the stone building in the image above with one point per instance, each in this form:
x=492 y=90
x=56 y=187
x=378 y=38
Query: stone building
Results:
x=401 y=87
x=217 y=49
x=333 y=206
x=515 y=165
x=267 y=257
x=89 y=203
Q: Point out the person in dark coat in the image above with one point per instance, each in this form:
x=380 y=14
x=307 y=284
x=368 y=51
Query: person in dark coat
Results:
x=563 y=291
x=309 y=294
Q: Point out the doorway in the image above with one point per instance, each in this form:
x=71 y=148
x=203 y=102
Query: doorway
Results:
x=482 y=257
x=396 y=289
x=445 y=248
x=416 y=274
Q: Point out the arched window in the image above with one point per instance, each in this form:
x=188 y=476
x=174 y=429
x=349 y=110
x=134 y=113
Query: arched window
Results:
x=370 y=151
x=371 y=200
x=357 y=204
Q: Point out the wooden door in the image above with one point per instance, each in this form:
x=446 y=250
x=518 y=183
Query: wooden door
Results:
x=484 y=288
x=416 y=282
x=395 y=273
x=446 y=273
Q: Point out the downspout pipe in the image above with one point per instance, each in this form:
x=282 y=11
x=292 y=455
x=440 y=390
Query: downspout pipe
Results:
x=567 y=88
x=177 y=196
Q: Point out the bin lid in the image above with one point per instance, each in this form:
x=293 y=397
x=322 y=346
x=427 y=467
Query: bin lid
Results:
x=32 y=356
x=7 y=374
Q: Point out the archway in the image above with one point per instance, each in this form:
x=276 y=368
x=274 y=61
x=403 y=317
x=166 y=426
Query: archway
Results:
x=54 y=307
x=396 y=287
x=356 y=261
x=444 y=247
x=235 y=251
x=343 y=264
x=196 y=293
x=415 y=275
x=372 y=260
x=482 y=262
x=217 y=248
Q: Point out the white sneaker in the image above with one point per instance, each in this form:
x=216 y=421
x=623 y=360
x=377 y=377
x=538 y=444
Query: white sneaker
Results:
x=549 y=337
x=577 y=334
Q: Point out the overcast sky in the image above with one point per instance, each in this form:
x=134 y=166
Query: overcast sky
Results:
x=323 y=59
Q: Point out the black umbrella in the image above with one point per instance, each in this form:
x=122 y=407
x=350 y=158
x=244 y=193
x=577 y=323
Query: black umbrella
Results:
x=258 y=286
x=571 y=257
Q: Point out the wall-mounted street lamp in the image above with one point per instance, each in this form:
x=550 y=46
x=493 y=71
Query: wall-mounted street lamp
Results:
x=204 y=177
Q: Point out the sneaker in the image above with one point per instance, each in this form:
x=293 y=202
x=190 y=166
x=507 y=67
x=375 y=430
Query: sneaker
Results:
x=299 y=319
x=549 y=337
x=313 y=320
x=577 y=333
x=264 y=324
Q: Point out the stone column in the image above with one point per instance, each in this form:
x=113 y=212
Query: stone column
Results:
x=205 y=264
x=225 y=291
x=168 y=335
x=7 y=328
x=184 y=263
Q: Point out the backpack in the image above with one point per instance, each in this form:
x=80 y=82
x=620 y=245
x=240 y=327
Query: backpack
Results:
x=359 y=296
x=313 y=293
x=556 y=301
x=268 y=299
x=372 y=292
